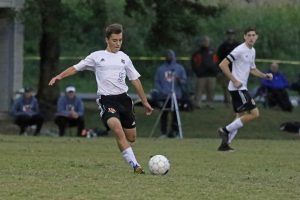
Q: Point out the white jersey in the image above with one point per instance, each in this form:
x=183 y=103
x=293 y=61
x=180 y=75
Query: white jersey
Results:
x=110 y=70
x=243 y=60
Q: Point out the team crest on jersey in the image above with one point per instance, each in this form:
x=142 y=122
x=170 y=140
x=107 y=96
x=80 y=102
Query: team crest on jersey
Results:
x=111 y=110
x=123 y=61
x=102 y=60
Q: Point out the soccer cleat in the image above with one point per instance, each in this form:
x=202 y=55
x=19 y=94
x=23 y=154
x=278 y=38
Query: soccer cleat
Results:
x=138 y=170
x=224 y=135
x=225 y=147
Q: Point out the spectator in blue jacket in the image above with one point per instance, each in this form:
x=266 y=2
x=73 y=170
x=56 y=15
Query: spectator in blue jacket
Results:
x=70 y=111
x=165 y=75
x=26 y=112
x=276 y=89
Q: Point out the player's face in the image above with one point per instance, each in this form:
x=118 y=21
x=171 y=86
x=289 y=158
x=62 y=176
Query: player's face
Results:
x=114 y=42
x=250 y=38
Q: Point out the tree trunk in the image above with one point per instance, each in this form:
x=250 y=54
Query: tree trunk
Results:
x=49 y=47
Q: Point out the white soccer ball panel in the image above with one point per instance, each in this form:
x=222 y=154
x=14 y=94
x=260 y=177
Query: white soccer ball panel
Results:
x=159 y=165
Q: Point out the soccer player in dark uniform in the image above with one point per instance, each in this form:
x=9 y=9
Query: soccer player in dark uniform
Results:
x=242 y=59
x=111 y=67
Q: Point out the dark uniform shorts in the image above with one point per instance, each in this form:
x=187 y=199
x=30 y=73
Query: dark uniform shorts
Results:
x=242 y=101
x=119 y=106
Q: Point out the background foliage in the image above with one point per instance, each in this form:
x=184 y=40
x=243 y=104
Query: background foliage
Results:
x=151 y=26
x=158 y=25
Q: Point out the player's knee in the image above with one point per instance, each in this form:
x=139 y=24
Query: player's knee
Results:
x=255 y=114
x=131 y=138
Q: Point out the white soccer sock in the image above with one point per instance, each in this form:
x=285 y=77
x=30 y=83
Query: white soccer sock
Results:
x=231 y=135
x=236 y=124
x=129 y=157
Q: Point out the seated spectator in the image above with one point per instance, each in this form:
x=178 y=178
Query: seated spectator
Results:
x=275 y=90
x=26 y=113
x=70 y=110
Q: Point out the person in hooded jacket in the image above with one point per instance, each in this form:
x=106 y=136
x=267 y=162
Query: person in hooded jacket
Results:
x=166 y=75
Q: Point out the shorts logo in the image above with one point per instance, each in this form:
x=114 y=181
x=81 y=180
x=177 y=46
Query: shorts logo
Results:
x=111 y=110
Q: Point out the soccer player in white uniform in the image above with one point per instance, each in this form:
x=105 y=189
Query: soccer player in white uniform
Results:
x=111 y=67
x=243 y=63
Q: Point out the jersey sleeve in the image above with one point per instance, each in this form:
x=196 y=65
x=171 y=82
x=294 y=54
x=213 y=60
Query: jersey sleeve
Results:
x=131 y=72
x=233 y=55
x=86 y=64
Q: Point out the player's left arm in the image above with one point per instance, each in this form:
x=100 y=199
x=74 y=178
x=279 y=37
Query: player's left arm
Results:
x=256 y=72
x=68 y=72
x=140 y=91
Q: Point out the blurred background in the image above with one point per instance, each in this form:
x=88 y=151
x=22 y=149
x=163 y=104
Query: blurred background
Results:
x=58 y=33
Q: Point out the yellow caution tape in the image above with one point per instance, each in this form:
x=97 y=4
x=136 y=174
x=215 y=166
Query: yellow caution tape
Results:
x=183 y=58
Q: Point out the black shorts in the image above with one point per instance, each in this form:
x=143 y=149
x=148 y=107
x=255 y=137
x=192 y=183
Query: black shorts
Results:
x=242 y=101
x=119 y=106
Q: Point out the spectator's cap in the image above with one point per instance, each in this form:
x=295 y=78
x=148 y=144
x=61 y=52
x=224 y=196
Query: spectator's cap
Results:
x=70 y=89
x=230 y=31
x=27 y=89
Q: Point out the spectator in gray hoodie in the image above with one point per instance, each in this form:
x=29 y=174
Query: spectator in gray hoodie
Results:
x=165 y=75
x=70 y=111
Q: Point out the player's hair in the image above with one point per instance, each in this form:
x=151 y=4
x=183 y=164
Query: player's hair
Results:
x=113 y=29
x=250 y=28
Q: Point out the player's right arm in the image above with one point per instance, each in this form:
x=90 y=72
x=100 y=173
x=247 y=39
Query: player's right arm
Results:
x=224 y=65
x=68 y=72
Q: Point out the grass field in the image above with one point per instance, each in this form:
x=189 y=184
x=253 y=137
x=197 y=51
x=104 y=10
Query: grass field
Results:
x=72 y=168
x=265 y=165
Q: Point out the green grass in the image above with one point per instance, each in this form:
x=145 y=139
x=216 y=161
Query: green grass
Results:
x=70 y=168
x=265 y=165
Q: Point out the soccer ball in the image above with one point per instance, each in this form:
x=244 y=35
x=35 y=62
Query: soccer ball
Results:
x=159 y=165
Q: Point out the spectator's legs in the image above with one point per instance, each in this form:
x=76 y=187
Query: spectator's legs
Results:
x=283 y=100
x=79 y=122
x=164 y=118
x=210 y=85
x=223 y=82
x=38 y=120
x=62 y=123
x=200 y=84
x=22 y=121
x=80 y=125
x=175 y=128
x=164 y=122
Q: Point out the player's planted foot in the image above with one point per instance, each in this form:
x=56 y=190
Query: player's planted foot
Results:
x=224 y=135
x=225 y=147
x=138 y=170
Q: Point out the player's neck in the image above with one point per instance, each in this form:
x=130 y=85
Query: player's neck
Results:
x=248 y=45
x=109 y=50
